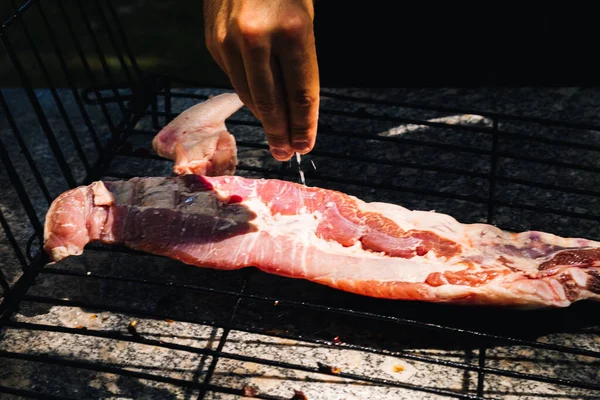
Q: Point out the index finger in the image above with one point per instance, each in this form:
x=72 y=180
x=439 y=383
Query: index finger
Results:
x=298 y=65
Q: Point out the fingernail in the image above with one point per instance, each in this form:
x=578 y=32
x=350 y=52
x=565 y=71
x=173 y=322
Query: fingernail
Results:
x=301 y=146
x=280 y=153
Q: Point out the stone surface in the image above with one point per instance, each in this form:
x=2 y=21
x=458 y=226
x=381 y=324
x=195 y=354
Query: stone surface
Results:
x=279 y=332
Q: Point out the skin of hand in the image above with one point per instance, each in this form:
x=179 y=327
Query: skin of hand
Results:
x=267 y=49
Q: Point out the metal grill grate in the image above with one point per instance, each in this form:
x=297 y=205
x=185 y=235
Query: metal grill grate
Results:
x=206 y=334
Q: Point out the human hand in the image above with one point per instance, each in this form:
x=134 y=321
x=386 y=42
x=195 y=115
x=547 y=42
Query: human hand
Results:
x=267 y=49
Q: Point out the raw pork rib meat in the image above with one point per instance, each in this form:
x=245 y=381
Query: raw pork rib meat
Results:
x=373 y=249
x=198 y=140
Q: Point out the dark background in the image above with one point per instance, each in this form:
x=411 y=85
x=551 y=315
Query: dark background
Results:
x=362 y=43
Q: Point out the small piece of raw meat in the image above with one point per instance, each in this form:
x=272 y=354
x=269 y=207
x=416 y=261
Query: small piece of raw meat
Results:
x=374 y=249
x=198 y=140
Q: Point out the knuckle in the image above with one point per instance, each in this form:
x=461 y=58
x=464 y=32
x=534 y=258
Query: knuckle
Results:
x=301 y=131
x=304 y=99
x=276 y=140
x=294 y=27
x=252 y=31
x=265 y=107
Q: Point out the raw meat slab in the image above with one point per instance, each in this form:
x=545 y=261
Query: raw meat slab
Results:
x=373 y=249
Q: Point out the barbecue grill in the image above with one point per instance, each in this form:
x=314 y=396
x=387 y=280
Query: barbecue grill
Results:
x=119 y=323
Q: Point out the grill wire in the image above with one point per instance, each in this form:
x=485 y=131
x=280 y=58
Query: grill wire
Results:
x=107 y=137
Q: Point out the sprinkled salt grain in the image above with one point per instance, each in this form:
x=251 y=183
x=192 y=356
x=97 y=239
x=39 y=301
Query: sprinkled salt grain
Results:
x=298 y=158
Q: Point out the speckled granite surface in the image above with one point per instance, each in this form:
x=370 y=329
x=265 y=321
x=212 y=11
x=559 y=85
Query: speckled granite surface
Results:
x=183 y=313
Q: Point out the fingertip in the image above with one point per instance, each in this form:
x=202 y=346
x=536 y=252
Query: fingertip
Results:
x=303 y=136
x=281 y=154
x=302 y=146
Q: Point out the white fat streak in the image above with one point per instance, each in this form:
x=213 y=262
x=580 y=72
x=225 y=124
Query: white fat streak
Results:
x=301 y=224
x=358 y=264
x=441 y=224
x=479 y=240
x=245 y=246
x=579 y=276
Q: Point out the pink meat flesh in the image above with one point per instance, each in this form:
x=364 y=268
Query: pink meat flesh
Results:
x=198 y=140
x=373 y=249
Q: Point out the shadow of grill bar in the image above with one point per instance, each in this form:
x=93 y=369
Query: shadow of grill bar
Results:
x=202 y=386
x=219 y=353
x=492 y=338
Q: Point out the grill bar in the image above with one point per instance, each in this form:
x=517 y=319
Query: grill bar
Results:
x=86 y=66
x=4 y=285
x=466 y=149
x=20 y=189
x=378 y=161
x=113 y=43
x=69 y=77
x=39 y=112
x=123 y=39
x=134 y=90
x=7 y=307
x=100 y=53
x=18 y=13
x=215 y=354
x=443 y=146
x=400 y=104
x=492 y=338
x=24 y=150
x=128 y=120
x=28 y=250
x=480 y=369
x=458 y=110
x=106 y=99
x=329 y=154
x=57 y=100
x=96 y=367
x=409 y=105
x=167 y=96
x=14 y=244
x=493 y=130
x=219 y=352
x=481 y=374
x=155 y=113
x=494 y=161
x=183 y=383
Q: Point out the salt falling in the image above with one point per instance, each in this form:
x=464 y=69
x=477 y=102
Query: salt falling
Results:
x=298 y=157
